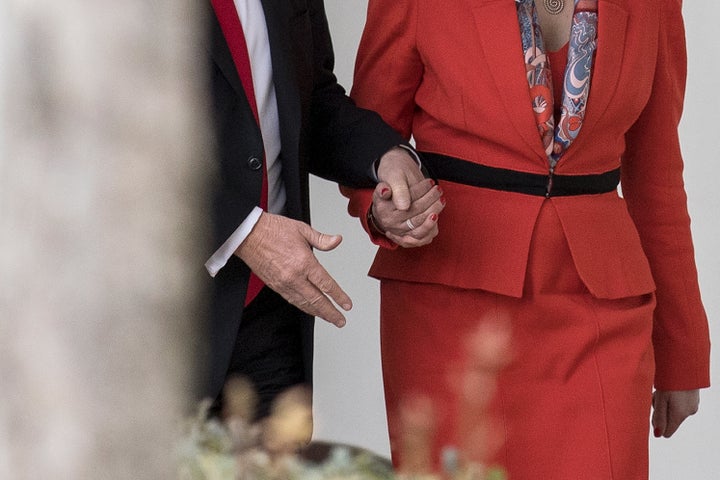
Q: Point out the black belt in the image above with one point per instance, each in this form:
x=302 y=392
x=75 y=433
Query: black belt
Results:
x=443 y=167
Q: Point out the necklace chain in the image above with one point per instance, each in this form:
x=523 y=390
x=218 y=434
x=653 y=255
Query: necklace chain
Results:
x=554 y=7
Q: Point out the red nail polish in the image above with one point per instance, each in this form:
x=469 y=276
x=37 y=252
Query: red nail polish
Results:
x=434 y=217
x=384 y=191
x=657 y=433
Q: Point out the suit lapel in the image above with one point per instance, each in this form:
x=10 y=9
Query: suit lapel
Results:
x=497 y=25
x=277 y=18
x=277 y=15
x=612 y=25
x=220 y=53
x=508 y=71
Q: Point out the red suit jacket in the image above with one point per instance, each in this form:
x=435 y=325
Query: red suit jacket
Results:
x=451 y=74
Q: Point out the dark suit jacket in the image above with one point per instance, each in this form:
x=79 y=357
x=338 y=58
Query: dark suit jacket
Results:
x=322 y=132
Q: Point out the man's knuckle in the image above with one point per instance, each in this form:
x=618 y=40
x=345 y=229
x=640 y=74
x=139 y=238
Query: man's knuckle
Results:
x=296 y=300
x=325 y=285
x=286 y=277
x=315 y=275
x=316 y=300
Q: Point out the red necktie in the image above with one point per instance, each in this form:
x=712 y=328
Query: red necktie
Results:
x=232 y=30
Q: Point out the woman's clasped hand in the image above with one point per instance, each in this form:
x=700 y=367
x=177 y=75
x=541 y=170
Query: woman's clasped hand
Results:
x=417 y=225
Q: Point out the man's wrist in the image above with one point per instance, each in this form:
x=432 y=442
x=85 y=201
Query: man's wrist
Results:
x=372 y=223
x=412 y=153
x=221 y=256
x=407 y=149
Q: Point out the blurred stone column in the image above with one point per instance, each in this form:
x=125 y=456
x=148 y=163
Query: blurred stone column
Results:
x=102 y=175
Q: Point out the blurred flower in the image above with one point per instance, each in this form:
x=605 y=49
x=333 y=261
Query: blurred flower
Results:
x=238 y=448
x=417 y=429
x=289 y=426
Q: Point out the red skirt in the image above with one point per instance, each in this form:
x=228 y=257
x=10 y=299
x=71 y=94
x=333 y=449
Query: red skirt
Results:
x=574 y=403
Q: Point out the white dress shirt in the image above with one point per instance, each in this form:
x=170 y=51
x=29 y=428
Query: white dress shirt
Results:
x=252 y=18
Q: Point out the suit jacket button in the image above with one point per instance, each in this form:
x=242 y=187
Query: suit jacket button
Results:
x=254 y=163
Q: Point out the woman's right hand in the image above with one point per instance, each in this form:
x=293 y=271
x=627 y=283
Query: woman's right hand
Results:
x=671 y=408
x=415 y=226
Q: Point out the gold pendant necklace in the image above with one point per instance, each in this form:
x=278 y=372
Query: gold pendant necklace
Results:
x=553 y=7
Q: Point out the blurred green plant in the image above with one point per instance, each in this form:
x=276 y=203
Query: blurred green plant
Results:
x=234 y=447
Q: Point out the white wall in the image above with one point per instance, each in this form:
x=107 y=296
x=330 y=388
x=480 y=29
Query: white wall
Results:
x=348 y=391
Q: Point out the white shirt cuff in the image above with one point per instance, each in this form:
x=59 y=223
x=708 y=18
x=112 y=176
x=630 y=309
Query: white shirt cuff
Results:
x=227 y=249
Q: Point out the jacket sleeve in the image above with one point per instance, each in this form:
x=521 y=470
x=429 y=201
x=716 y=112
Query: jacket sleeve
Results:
x=345 y=140
x=388 y=71
x=652 y=184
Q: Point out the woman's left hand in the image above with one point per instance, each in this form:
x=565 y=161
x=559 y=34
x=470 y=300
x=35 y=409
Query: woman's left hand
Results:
x=415 y=226
x=671 y=408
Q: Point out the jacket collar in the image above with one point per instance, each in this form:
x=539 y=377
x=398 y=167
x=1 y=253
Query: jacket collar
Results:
x=277 y=14
x=502 y=35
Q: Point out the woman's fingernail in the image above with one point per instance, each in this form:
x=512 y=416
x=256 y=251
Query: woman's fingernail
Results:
x=434 y=217
x=442 y=200
x=440 y=190
x=384 y=191
x=657 y=432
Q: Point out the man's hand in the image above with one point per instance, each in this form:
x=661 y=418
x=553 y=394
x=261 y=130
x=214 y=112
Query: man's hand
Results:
x=406 y=206
x=399 y=170
x=671 y=408
x=279 y=251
